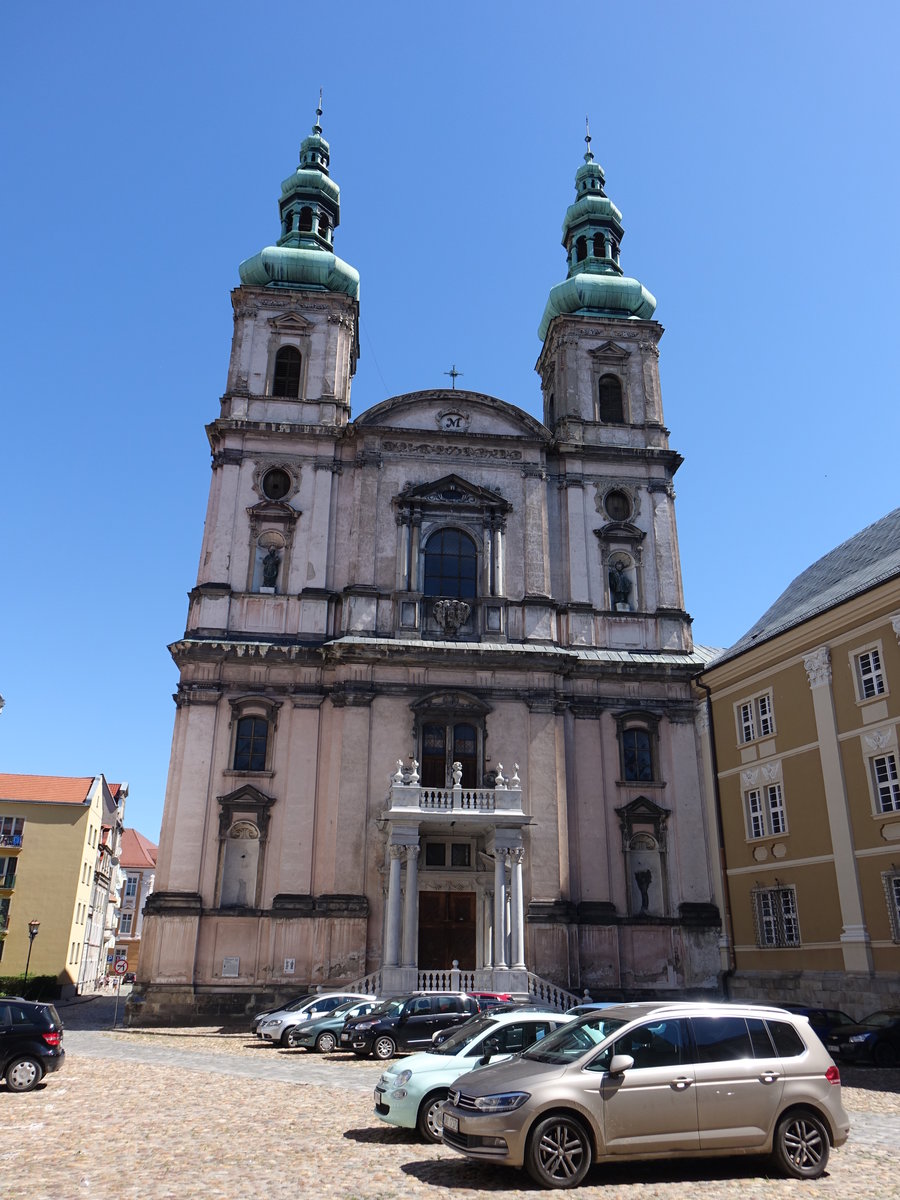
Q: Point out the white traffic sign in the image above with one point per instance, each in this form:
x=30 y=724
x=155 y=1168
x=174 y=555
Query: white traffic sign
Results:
x=121 y=966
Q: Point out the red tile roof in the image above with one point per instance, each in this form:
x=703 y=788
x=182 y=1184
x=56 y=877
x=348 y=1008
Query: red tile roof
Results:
x=137 y=851
x=53 y=789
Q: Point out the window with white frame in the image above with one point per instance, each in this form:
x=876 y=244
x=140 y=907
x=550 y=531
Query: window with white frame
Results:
x=885 y=782
x=775 y=913
x=891 y=881
x=869 y=673
x=764 y=810
x=131 y=887
x=125 y=923
x=755 y=717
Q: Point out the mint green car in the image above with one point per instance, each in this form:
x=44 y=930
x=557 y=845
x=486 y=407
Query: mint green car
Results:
x=411 y=1091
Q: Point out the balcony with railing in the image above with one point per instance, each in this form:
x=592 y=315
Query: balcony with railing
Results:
x=11 y=842
x=408 y=797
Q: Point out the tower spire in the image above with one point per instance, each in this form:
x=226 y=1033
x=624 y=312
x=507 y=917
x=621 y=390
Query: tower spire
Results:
x=588 y=154
x=317 y=128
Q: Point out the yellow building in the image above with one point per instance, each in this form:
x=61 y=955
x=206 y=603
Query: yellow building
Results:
x=803 y=773
x=59 y=842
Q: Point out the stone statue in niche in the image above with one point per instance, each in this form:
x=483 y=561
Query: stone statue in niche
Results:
x=619 y=586
x=270 y=565
x=643 y=879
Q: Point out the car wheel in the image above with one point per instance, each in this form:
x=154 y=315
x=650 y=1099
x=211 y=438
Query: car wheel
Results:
x=884 y=1055
x=430 y=1122
x=801 y=1145
x=285 y=1039
x=326 y=1042
x=23 y=1074
x=384 y=1047
x=559 y=1152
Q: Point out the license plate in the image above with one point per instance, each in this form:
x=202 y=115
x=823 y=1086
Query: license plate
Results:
x=378 y=1095
x=451 y=1122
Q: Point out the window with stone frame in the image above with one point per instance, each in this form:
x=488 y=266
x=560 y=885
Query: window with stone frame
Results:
x=885 y=783
x=638 y=750
x=764 y=811
x=253 y=724
x=755 y=717
x=450 y=728
x=891 y=881
x=125 y=923
x=286 y=374
x=868 y=673
x=451 y=565
x=775 y=915
x=610 y=400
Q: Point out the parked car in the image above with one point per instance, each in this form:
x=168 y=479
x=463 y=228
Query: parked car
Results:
x=875 y=1039
x=825 y=1021
x=410 y=1093
x=640 y=1081
x=276 y=1027
x=322 y=1032
x=405 y=1022
x=294 y=1001
x=490 y=999
x=31 y=1037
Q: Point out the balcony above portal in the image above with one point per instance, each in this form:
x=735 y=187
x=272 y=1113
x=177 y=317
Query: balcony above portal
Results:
x=408 y=800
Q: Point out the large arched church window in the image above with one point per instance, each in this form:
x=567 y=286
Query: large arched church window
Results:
x=611 y=401
x=451 y=565
x=286 y=379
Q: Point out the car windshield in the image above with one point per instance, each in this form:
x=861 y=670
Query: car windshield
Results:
x=885 y=1017
x=294 y=1005
x=464 y=1035
x=345 y=1008
x=572 y=1041
x=387 y=1007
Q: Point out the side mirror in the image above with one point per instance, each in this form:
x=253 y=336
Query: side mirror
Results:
x=491 y=1046
x=620 y=1063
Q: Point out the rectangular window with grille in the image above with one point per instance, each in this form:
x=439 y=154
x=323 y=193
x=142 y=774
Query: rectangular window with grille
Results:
x=765 y=811
x=775 y=912
x=755 y=718
x=869 y=674
x=886 y=783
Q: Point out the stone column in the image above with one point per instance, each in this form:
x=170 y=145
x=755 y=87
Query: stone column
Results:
x=488 y=940
x=393 y=915
x=517 y=923
x=411 y=908
x=499 y=907
x=855 y=937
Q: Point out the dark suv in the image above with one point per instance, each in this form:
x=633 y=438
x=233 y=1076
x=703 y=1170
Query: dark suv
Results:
x=406 y=1022
x=30 y=1042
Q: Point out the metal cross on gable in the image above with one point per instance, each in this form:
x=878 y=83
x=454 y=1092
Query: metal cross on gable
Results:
x=454 y=375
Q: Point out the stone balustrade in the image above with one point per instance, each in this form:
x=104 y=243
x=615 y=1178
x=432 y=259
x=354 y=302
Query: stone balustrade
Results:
x=407 y=795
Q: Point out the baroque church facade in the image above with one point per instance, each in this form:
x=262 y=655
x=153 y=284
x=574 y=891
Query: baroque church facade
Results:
x=434 y=711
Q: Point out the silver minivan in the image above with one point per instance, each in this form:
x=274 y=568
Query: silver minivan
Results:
x=650 y=1080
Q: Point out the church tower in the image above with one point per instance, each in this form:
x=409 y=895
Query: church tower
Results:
x=434 y=724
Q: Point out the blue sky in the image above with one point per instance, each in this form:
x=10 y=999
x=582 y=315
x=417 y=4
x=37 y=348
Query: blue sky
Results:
x=751 y=149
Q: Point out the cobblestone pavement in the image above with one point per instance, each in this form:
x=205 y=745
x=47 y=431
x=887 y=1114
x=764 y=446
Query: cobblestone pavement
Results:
x=178 y=1114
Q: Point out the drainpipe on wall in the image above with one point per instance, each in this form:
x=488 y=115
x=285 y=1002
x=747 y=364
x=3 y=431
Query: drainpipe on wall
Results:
x=720 y=837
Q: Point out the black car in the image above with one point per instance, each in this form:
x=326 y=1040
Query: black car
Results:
x=31 y=1037
x=826 y=1022
x=406 y=1022
x=875 y=1039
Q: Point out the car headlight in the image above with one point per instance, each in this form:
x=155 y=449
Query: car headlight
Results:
x=303 y=1028
x=859 y=1037
x=403 y=1077
x=363 y=1025
x=502 y=1102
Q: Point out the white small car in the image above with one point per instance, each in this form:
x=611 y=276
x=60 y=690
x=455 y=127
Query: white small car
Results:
x=410 y=1093
x=277 y=1026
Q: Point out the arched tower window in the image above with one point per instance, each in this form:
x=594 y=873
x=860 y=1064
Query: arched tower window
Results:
x=306 y=220
x=611 y=402
x=599 y=246
x=286 y=381
x=581 y=249
x=451 y=565
x=323 y=225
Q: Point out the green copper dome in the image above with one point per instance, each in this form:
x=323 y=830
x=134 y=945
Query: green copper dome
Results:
x=592 y=235
x=310 y=208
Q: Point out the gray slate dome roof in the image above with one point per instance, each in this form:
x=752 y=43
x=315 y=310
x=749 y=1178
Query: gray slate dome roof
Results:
x=870 y=557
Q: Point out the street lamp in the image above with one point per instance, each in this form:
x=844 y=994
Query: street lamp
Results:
x=33 y=927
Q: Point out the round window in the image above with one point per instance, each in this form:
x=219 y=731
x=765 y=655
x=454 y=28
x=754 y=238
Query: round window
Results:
x=618 y=506
x=276 y=483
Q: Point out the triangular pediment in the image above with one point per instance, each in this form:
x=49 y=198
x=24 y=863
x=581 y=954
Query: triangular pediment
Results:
x=609 y=352
x=456 y=703
x=642 y=809
x=452 y=491
x=290 y=322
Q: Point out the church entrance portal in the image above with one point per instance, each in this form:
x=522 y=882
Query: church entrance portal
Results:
x=446 y=930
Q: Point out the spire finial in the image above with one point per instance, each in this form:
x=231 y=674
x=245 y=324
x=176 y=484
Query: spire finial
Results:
x=317 y=128
x=588 y=154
